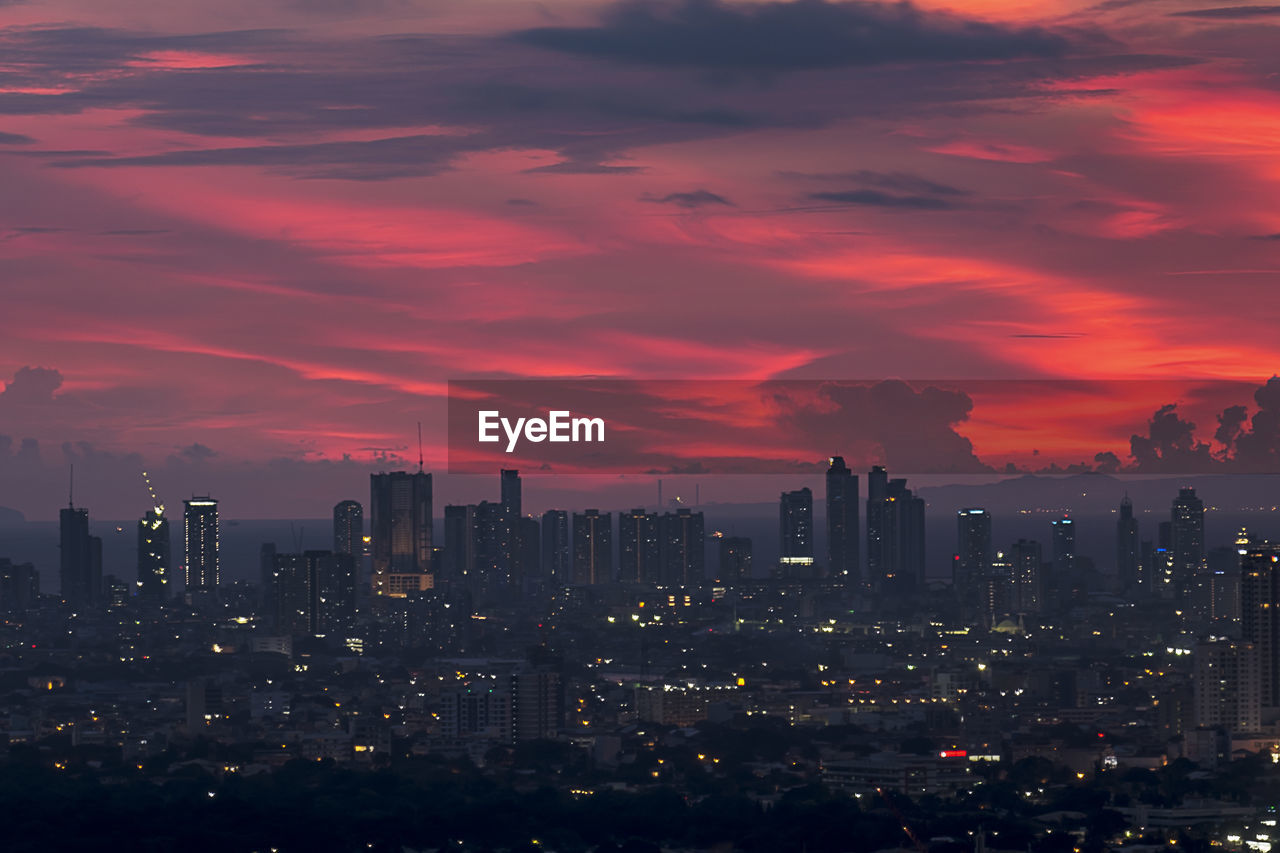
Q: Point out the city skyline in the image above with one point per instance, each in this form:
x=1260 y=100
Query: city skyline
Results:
x=640 y=426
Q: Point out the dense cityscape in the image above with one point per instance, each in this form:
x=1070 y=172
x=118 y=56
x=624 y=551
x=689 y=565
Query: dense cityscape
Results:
x=647 y=681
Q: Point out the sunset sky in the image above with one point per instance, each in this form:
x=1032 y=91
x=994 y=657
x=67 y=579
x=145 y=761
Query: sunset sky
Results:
x=262 y=235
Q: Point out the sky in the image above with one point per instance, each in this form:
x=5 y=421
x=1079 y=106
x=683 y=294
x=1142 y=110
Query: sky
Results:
x=247 y=245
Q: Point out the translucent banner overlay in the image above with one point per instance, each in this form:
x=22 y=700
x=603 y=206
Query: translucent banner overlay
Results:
x=668 y=427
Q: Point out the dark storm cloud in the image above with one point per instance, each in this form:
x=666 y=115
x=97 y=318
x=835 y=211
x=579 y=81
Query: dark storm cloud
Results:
x=1255 y=447
x=913 y=428
x=1230 y=12
x=884 y=189
x=196 y=452
x=691 y=200
x=1249 y=443
x=87 y=49
x=367 y=160
x=896 y=181
x=876 y=198
x=1170 y=445
x=589 y=114
x=580 y=167
x=31 y=385
x=789 y=36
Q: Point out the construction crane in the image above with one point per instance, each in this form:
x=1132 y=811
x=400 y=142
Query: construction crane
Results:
x=906 y=827
x=155 y=501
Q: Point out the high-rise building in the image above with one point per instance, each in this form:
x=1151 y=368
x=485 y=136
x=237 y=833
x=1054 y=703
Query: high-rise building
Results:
x=555 y=547
x=1128 y=549
x=972 y=561
x=291 y=595
x=512 y=499
x=683 y=543
x=895 y=535
x=348 y=529
x=460 y=541
x=267 y=575
x=19 y=586
x=506 y=530
x=529 y=536
x=1027 y=576
x=155 y=556
x=537 y=705
x=639 y=549
x=735 y=559
x=81 y=558
x=843 y=557
x=795 y=532
x=592 y=547
x=1224 y=573
x=1064 y=585
x=200 y=543
x=315 y=592
x=1186 y=527
x=1260 y=615
x=1227 y=686
x=1162 y=574
x=400 y=523
x=997 y=589
x=495 y=548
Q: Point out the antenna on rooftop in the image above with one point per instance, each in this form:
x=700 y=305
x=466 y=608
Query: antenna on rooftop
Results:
x=419 y=447
x=71 y=488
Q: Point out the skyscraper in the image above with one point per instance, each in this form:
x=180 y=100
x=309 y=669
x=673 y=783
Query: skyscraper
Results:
x=511 y=490
x=997 y=589
x=795 y=532
x=81 y=558
x=267 y=575
x=1027 y=576
x=400 y=523
x=19 y=586
x=1162 y=562
x=1260 y=615
x=639 y=549
x=1186 y=541
x=494 y=548
x=592 y=547
x=1064 y=584
x=200 y=543
x=895 y=535
x=507 y=529
x=972 y=562
x=555 y=547
x=683 y=541
x=315 y=592
x=529 y=535
x=348 y=529
x=843 y=558
x=1128 y=549
x=459 y=563
x=154 y=554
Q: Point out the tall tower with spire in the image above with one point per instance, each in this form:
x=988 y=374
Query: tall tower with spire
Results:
x=1128 y=548
x=81 y=554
